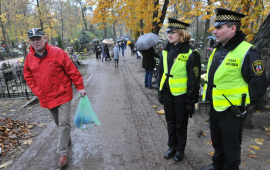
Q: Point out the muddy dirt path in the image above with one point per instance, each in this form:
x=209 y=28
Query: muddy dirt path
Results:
x=131 y=135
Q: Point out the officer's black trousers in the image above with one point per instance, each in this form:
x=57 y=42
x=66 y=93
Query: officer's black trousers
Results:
x=177 y=120
x=226 y=135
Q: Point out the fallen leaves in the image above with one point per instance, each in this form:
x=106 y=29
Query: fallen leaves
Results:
x=259 y=141
x=268 y=160
x=251 y=151
x=27 y=142
x=209 y=143
x=11 y=135
x=160 y=112
x=154 y=106
x=252 y=156
x=266 y=128
x=254 y=147
x=257 y=111
x=244 y=165
x=211 y=154
x=268 y=134
x=4 y=165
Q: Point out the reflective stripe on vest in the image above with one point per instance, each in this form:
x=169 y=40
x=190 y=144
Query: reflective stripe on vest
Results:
x=228 y=79
x=178 y=74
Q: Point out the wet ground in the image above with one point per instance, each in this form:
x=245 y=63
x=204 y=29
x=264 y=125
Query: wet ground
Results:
x=132 y=135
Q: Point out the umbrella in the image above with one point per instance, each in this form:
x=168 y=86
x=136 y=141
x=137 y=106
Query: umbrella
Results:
x=129 y=42
x=95 y=39
x=147 y=41
x=209 y=37
x=108 y=41
x=120 y=40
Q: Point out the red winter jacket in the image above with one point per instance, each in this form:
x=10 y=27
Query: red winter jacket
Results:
x=50 y=76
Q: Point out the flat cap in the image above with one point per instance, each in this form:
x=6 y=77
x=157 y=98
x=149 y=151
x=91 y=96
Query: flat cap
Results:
x=176 y=24
x=223 y=16
x=35 y=32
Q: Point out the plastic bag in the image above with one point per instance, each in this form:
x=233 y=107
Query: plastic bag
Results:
x=85 y=117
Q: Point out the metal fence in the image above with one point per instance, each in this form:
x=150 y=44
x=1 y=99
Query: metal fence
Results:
x=12 y=83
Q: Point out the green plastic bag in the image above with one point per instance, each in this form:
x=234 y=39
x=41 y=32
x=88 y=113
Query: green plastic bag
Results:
x=85 y=117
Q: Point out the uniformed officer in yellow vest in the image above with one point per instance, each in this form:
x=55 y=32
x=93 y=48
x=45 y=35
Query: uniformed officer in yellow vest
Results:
x=179 y=79
x=235 y=76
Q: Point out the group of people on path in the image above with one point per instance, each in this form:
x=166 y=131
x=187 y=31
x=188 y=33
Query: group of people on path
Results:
x=106 y=55
x=235 y=76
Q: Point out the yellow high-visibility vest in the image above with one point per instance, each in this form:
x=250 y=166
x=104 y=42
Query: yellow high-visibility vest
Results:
x=228 y=79
x=178 y=74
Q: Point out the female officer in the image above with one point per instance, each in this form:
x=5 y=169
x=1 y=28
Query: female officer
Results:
x=179 y=78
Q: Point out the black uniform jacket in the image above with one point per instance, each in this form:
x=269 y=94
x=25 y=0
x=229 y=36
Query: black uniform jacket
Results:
x=193 y=82
x=257 y=83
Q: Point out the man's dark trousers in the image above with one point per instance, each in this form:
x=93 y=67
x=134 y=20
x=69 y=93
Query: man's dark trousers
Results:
x=177 y=120
x=98 y=55
x=226 y=134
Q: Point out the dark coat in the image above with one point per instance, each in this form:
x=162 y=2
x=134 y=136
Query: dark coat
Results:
x=149 y=61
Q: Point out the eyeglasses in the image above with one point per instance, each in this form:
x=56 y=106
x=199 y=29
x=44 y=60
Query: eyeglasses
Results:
x=170 y=32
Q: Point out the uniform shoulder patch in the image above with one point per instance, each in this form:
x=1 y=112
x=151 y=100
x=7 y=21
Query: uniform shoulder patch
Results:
x=258 y=67
x=196 y=71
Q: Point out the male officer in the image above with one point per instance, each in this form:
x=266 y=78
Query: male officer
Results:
x=235 y=71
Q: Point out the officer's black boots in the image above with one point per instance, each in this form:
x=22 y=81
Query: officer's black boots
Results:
x=169 y=153
x=178 y=156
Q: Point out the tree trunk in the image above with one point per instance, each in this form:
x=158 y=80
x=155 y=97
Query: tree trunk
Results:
x=114 y=31
x=40 y=20
x=141 y=26
x=2 y=25
x=157 y=25
x=62 y=36
x=105 y=31
x=83 y=17
x=262 y=43
x=197 y=29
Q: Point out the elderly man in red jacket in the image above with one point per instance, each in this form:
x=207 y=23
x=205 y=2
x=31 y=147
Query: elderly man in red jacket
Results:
x=49 y=72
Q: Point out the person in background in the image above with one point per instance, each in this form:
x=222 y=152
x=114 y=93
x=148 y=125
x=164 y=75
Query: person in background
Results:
x=179 y=79
x=116 y=55
x=212 y=42
x=235 y=73
x=49 y=72
x=149 y=64
x=131 y=47
x=98 y=50
x=123 y=48
x=73 y=57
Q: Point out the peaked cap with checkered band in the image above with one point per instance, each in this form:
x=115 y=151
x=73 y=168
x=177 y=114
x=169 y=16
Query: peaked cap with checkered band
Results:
x=223 y=16
x=176 y=24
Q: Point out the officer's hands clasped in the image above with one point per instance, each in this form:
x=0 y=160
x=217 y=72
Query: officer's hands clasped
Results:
x=160 y=97
x=190 y=109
